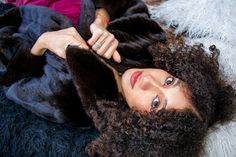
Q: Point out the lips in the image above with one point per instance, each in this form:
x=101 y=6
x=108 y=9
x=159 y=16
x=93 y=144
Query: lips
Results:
x=134 y=77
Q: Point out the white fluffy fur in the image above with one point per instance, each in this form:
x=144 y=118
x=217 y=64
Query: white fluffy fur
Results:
x=227 y=58
x=220 y=141
x=208 y=22
x=214 y=18
x=204 y=21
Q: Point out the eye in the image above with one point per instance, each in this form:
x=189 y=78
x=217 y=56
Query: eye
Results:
x=155 y=103
x=169 y=81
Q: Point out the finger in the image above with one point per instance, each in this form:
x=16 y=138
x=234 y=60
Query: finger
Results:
x=100 y=42
x=111 y=50
x=96 y=46
x=80 y=40
x=71 y=40
x=102 y=38
x=96 y=35
x=83 y=45
x=109 y=41
x=116 y=56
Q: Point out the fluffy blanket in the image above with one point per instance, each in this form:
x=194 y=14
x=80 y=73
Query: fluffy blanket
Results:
x=25 y=134
x=204 y=21
x=207 y=22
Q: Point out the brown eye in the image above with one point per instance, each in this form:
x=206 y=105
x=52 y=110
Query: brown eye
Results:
x=155 y=103
x=169 y=80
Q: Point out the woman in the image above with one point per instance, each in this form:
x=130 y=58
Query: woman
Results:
x=162 y=124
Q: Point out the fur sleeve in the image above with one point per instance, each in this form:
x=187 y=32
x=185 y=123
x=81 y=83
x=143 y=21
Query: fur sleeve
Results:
x=114 y=8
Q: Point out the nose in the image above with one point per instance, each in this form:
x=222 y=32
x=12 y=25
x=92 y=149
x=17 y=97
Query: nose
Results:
x=148 y=82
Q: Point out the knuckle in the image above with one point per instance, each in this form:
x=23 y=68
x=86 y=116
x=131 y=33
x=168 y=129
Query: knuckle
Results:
x=105 y=34
x=94 y=47
x=107 y=55
x=100 y=52
x=99 y=32
x=71 y=29
x=116 y=42
x=112 y=36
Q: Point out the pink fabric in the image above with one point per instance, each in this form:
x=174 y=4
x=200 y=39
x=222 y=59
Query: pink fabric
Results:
x=70 y=8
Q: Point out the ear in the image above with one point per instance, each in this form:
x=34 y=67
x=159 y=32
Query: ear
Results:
x=90 y=73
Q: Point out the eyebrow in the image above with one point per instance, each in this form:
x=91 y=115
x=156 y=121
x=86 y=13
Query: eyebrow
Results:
x=177 y=83
x=165 y=104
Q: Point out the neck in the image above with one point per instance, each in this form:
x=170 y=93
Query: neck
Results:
x=117 y=76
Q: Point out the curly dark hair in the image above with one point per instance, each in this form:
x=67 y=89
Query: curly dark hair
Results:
x=167 y=133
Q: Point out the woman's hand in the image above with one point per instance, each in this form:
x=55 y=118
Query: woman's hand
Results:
x=102 y=41
x=57 y=42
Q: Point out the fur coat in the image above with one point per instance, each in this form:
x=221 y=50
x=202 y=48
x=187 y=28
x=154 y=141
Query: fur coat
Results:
x=54 y=88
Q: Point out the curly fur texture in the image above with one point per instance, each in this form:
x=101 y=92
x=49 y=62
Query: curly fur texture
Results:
x=171 y=133
x=199 y=18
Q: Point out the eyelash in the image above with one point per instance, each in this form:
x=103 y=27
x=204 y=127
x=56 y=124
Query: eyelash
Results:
x=153 y=105
x=172 y=81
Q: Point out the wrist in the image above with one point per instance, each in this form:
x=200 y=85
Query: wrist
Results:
x=102 y=17
x=39 y=47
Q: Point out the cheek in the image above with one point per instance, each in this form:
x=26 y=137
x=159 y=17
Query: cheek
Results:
x=139 y=102
x=177 y=100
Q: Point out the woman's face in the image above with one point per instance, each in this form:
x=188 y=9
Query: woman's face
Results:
x=154 y=89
